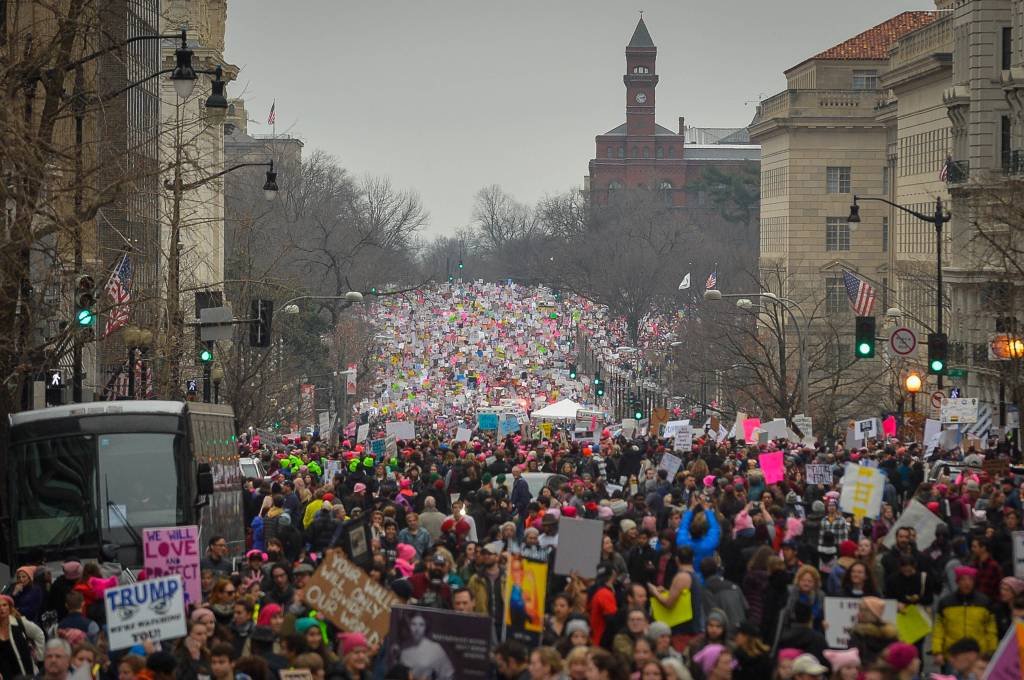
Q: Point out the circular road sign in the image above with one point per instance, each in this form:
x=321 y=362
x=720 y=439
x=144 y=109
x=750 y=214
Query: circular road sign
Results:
x=903 y=341
x=937 y=398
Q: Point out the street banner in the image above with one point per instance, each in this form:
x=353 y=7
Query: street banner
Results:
x=773 y=466
x=174 y=550
x=922 y=520
x=841 y=614
x=350 y=380
x=671 y=464
x=683 y=439
x=438 y=643
x=1018 y=554
x=349 y=598
x=959 y=411
x=401 y=429
x=525 y=592
x=146 y=611
x=862 y=491
x=579 y=546
x=1007 y=662
x=819 y=473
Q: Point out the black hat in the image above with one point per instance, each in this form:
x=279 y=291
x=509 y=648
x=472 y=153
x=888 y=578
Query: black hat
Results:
x=163 y=662
x=259 y=634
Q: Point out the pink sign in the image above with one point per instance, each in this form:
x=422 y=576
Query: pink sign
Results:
x=174 y=550
x=773 y=467
x=749 y=425
x=889 y=426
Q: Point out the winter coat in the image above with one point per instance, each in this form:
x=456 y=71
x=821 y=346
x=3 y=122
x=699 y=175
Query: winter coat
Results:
x=704 y=546
x=22 y=662
x=321 y=531
x=871 y=639
x=719 y=593
x=259 y=541
x=958 y=616
x=755 y=587
x=29 y=602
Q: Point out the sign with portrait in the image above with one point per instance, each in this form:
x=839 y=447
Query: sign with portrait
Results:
x=439 y=643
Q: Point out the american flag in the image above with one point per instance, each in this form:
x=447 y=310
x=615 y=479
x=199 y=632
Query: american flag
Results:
x=117 y=386
x=272 y=118
x=860 y=293
x=712 y=281
x=119 y=289
x=944 y=172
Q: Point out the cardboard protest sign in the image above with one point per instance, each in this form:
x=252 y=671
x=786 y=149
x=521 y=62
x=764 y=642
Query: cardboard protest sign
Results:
x=401 y=429
x=174 y=550
x=463 y=434
x=805 y=425
x=673 y=426
x=438 y=643
x=683 y=440
x=579 y=546
x=659 y=417
x=628 y=426
x=150 y=610
x=862 y=491
x=841 y=614
x=671 y=464
x=361 y=432
x=346 y=595
x=819 y=473
x=773 y=466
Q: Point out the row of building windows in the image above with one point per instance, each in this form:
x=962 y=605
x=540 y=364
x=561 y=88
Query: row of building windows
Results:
x=773 y=234
x=663 y=185
x=775 y=182
x=917 y=237
x=924 y=152
x=639 y=152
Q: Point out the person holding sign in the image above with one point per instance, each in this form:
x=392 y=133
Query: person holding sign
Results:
x=679 y=605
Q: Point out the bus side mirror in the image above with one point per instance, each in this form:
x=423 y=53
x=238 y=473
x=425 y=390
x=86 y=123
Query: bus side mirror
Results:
x=204 y=480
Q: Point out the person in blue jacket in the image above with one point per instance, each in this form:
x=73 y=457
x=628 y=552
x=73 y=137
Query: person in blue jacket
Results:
x=702 y=536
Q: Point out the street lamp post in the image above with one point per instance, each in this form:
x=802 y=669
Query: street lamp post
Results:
x=715 y=295
x=938 y=219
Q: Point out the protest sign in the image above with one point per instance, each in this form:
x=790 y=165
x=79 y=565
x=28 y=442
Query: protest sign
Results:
x=401 y=429
x=377 y=447
x=349 y=598
x=866 y=429
x=819 y=473
x=673 y=426
x=150 y=610
x=628 y=426
x=862 y=491
x=487 y=421
x=889 y=426
x=1018 y=554
x=390 y=446
x=804 y=424
x=174 y=550
x=683 y=438
x=525 y=592
x=749 y=425
x=773 y=466
x=463 y=434
x=671 y=464
x=776 y=428
x=545 y=430
x=1006 y=662
x=958 y=411
x=507 y=424
x=912 y=624
x=331 y=468
x=996 y=467
x=579 y=546
x=932 y=432
x=920 y=519
x=659 y=417
x=841 y=614
x=361 y=432
x=295 y=674
x=438 y=643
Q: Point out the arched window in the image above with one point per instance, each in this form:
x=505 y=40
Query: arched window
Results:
x=647 y=152
x=622 y=152
x=610 y=153
x=634 y=154
x=641 y=69
x=665 y=190
x=613 y=186
x=671 y=152
x=661 y=152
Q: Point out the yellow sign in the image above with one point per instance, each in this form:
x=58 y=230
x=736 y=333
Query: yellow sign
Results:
x=912 y=624
x=681 y=611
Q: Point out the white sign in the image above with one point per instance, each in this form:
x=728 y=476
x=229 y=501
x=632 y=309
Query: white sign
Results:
x=152 y=610
x=670 y=463
x=463 y=434
x=919 y=518
x=866 y=429
x=361 y=432
x=401 y=429
x=932 y=432
x=628 y=427
x=862 y=491
x=841 y=614
x=579 y=546
x=684 y=438
x=1018 y=554
x=672 y=426
x=819 y=473
x=959 y=411
x=805 y=425
x=903 y=341
x=776 y=428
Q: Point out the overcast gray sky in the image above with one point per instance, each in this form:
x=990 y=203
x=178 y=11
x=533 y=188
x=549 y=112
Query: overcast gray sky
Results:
x=447 y=96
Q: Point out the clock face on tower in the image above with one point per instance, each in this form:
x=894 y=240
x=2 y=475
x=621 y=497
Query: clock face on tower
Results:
x=641 y=97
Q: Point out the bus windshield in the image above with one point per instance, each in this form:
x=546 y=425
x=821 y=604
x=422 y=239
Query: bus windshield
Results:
x=69 y=488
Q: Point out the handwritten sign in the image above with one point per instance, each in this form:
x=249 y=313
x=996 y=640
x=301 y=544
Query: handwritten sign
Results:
x=862 y=491
x=174 y=550
x=346 y=595
x=683 y=439
x=819 y=473
x=487 y=421
x=841 y=614
x=150 y=610
x=670 y=463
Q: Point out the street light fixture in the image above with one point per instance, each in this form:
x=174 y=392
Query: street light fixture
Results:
x=183 y=77
x=217 y=103
x=270 y=186
x=352 y=297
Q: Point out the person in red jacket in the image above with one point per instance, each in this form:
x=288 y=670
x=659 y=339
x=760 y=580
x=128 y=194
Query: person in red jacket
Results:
x=602 y=601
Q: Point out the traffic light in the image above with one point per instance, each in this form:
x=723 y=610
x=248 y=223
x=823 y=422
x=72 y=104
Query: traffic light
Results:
x=205 y=355
x=261 y=315
x=85 y=300
x=638 y=409
x=864 y=345
x=599 y=387
x=572 y=371
x=373 y=290
x=450 y=278
x=597 y=378
x=938 y=353
x=461 y=266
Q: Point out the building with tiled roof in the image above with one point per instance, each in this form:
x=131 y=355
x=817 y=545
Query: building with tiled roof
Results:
x=875 y=42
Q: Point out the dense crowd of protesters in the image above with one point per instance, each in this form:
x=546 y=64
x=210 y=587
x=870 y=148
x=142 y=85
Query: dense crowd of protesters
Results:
x=755 y=561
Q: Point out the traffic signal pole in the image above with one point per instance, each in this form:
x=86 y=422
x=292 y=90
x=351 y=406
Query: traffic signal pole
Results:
x=208 y=375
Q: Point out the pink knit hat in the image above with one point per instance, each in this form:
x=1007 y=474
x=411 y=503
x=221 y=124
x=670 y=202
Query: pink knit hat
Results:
x=841 y=658
x=350 y=641
x=741 y=522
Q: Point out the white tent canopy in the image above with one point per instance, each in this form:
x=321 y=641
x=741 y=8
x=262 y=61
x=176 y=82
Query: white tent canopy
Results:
x=562 y=410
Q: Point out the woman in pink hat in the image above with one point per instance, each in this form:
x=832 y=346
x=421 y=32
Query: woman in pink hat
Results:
x=845 y=663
